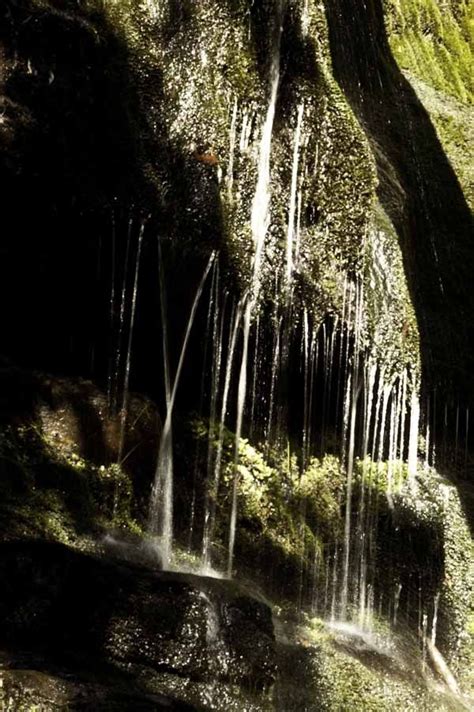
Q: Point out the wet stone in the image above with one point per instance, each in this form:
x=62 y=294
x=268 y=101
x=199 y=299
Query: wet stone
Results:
x=91 y=613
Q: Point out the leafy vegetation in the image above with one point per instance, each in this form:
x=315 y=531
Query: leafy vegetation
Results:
x=56 y=495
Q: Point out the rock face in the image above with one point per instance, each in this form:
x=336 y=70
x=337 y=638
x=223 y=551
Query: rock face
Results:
x=192 y=105
x=414 y=185
x=315 y=153
x=200 y=639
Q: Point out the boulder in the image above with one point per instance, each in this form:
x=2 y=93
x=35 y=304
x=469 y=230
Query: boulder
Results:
x=173 y=632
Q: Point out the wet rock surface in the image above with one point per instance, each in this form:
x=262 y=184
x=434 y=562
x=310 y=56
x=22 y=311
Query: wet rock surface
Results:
x=54 y=688
x=79 y=612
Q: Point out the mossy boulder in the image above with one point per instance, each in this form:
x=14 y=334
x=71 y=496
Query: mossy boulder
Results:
x=341 y=668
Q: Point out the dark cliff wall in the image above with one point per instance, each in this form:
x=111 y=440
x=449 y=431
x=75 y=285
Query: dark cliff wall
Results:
x=418 y=188
x=70 y=145
x=82 y=170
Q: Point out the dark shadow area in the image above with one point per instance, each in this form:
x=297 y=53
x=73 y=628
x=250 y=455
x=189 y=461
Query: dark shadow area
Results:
x=59 y=627
x=89 y=684
x=419 y=190
x=58 y=446
x=180 y=15
x=95 y=448
x=41 y=495
x=35 y=486
x=410 y=554
x=71 y=147
x=84 y=163
x=300 y=73
x=88 y=167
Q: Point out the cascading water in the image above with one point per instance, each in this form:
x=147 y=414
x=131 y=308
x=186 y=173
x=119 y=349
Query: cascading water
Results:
x=353 y=390
x=357 y=400
x=161 y=501
x=342 y=381
x=213 y=483
x=259 y=222
x=290 y=247
x=298 y=379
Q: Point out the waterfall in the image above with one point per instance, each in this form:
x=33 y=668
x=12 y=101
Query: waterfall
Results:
x=217 y=350
x=273 y=379
x=254 y=376
x=259 y=222
x=353 y=401
x=293 y=200
x=213 y=484
x=427 y=435
x=352 y=394
x=213 y=345
x=160 y=520
x=292 y=410
x=363 y=516
x=396 y=603
x=435 y=618
x=124 y=409
x=260 y=214
x=306 y=410
x=403 y=413
x=413 y=436
x=242 y=391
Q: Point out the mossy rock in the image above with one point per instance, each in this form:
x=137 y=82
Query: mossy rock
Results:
x=331 y=670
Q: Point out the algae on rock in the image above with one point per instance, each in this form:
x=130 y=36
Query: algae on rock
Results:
x=433 y=45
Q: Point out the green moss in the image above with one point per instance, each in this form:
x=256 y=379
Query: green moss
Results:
x=283 y=513
x=322 y=485
x=211 y=98
x=434 y=43
x=332 y=671
x=454 y=124
x=381 y=477
x=270 y=498
x=57 y=495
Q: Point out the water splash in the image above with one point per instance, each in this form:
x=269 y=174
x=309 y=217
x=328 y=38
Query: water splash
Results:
x=413 y=436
